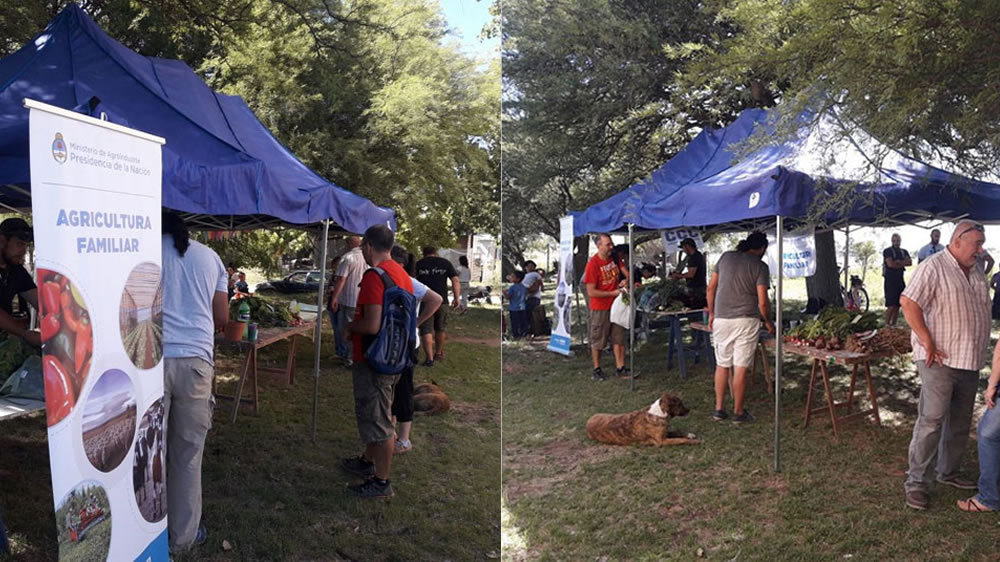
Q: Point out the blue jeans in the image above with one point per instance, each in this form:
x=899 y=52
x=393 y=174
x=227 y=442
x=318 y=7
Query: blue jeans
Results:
x=989 y=458
x=4 y=547
x=339 y=321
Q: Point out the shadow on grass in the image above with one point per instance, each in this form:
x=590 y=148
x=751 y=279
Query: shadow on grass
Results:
x=565 y=496
x=272 y=493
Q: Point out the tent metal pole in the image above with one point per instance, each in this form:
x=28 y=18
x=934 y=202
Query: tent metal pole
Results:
x=847 y=254
x=631 y=311
x=324 y=240
x=778 y=358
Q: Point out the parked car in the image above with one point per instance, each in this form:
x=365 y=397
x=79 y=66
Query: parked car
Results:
x=301 y=281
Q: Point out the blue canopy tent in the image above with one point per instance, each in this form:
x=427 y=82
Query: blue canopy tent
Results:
x=711 y=184
x=221 y=166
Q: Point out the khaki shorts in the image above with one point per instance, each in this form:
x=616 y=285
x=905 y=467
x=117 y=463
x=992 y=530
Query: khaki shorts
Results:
x=735 y=341
x=373 y=403
x=601 y=327
x=437 y=322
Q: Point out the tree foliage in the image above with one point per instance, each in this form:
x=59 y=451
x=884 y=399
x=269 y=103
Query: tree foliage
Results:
x=593 y=101
x=373 y=95
x=863 y=252
x=920 y=75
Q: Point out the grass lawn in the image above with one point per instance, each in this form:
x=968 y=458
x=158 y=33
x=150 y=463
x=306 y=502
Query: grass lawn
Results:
x=565 y=497
x=272 y=493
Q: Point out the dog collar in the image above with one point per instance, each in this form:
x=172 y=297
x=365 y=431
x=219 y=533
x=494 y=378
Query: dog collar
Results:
x=655 y=410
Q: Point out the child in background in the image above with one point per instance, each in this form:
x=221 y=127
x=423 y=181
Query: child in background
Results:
x=517 y=294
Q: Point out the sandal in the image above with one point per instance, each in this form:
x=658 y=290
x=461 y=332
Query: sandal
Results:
x=971 y=505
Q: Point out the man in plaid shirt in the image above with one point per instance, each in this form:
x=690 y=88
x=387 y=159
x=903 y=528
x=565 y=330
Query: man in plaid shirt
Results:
x=947 y=305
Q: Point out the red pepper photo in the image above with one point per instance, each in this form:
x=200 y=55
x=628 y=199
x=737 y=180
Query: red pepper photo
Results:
x=67 y=343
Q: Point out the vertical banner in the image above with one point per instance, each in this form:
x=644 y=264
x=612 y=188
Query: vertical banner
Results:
x=560 y=340
x=799 y=254
x=95 y=192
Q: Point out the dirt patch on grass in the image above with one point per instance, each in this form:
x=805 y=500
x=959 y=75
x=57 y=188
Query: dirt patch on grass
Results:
x=492 y=342
x=475 y=414
x=561 y=459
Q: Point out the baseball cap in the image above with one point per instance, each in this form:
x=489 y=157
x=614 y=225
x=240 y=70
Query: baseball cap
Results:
x=17 y=227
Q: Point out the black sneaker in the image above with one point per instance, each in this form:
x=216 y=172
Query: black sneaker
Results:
x=372 y=488
x=359 y=465
x=719 y=415
x=624 y=373
x=428 y=363
x=598 y=375
x=745 y=417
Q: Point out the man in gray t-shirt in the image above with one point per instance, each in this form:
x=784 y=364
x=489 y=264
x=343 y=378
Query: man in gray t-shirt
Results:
x=737 y=301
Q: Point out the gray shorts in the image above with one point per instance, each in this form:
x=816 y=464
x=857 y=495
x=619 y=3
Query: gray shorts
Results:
x=373 y=403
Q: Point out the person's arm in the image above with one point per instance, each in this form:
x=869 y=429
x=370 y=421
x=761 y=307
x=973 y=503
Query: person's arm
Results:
x=12 y=326
x=593 y=291
x=338 y=286
x=914 y=315
x=689 y=274
x=220 y=310
x=368 y=325
x=713 y=285
x=456 y=290
x=536 y=286
x=991 y=386
x=762 y=308
x=428 y=306
x=993 y=283
x=907 y=261
x=31 y=295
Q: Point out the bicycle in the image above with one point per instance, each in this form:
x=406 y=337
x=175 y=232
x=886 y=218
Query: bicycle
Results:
x=857 y=297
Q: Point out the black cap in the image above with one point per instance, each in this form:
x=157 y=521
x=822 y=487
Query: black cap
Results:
x=17 y=228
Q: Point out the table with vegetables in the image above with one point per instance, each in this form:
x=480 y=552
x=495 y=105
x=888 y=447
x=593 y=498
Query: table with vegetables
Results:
x=851 y=339
x=276 y=323
x=668 y=301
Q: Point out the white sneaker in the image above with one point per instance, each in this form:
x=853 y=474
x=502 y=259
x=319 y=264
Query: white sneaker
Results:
x=402 y=447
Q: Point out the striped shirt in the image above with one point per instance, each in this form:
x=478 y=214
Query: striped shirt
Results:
x=956 y=309
x=352 y=266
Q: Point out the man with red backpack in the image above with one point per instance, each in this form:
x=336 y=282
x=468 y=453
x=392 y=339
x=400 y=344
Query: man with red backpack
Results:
x=373 y=389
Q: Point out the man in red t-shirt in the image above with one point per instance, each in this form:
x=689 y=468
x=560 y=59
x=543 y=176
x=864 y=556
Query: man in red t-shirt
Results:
x=602 y=279
x=373 y=391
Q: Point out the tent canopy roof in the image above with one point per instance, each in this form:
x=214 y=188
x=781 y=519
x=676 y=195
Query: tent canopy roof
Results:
x=221 y=166
x=711 y=184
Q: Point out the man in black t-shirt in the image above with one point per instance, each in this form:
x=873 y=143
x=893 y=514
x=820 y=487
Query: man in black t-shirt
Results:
x=694 y=274
x=435 y=271
x=895 y=261
x=15 y=235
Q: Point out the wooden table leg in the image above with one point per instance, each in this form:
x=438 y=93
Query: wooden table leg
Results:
x=767 y=373
x=809 y=395
x=829 y=397
x=850 y=391
x=290 y=364
x=256 y=389
x=871 y=393
x=237 y=398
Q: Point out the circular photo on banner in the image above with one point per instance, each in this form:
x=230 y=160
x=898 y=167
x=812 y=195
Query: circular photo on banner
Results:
x=67 y=342
x=109 y=420
x=149 y=465
x=83 y=523
x=140 y=316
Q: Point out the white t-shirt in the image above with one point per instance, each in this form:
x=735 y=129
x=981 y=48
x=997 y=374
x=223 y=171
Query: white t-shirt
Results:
x=464 y=275
x=529 y=280
x=189 y=285
x=351 y=267
x=928 y=251
x=419 y=291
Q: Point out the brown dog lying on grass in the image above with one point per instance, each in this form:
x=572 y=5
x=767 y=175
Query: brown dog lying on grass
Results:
x=428 y=398
x=642 y=427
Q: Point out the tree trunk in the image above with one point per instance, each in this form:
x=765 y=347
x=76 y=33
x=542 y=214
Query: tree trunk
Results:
x=825 y=285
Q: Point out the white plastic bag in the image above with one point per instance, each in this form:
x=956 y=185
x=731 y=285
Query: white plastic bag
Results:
x=620 y=313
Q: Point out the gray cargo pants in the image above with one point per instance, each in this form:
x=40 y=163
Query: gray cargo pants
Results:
x=188 y=403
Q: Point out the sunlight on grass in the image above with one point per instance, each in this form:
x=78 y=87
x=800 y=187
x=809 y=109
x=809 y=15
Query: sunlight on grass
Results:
x=513 y=543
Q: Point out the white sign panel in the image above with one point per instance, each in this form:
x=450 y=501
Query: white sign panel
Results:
x=799 y=255
x=96 y=212
x=561 y=339
x=672 y=238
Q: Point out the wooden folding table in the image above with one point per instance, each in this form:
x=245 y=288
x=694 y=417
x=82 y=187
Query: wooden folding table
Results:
x=249 y=369
x=857 y=361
